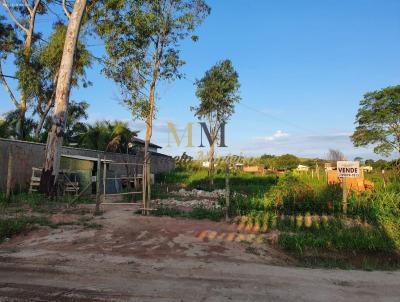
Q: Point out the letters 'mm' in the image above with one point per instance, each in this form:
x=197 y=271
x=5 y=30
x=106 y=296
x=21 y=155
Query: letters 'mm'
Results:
x=189 y=129
x=208 y=135
x=178 y=139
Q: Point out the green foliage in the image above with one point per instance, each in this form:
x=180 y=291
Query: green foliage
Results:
x=198 y=179
x=205 y=213
x=218 y=93
x=309 y=215
x=378 y=121
x=37 y=78
x=50 y=56
x=75 y=128
x=108 y=136
x=301 y=194
x=337 y=237
x=285 y=162
x=142 y=43
x=8 y=126
x=383 y=208
x=8 y=39
x=36 y=201
x=13 y=226
x=195 y=213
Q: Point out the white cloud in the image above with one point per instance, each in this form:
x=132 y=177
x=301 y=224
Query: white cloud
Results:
x=305 y=145
x=277 y=135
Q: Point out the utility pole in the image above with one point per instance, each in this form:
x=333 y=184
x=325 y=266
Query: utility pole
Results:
x=227 y=190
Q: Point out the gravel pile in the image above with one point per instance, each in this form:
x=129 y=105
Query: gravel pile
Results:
x=170 y=202
x=199 y=193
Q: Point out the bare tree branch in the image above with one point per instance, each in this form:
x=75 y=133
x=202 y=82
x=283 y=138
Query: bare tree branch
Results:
x=35 y=8
x=28 y=7
x=67 y=13
x=7 y=87
x=5 y=4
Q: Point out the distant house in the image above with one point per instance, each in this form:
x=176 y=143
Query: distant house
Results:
x=367 y=168
x=138 y=144
x=302 y=168
x=254 y=169
x=206 y=164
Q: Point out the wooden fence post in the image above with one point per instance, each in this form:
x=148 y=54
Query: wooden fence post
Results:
x=9 y=173
x=344 y=195
x=227 y=192
x=104 y=179
x=98 y=174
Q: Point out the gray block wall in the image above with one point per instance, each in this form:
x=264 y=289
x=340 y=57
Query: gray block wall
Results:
x=27 y=155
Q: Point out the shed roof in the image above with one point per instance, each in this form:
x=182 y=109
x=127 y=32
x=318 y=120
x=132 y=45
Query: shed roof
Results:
x=80 y=157
x=142 y=142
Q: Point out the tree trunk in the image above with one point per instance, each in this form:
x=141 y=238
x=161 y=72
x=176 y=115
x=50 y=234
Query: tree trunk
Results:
x=55 y=136
x=211 y=166
x=147 y=156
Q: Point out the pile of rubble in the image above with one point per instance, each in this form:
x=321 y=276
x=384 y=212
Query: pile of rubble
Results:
x=199 y=193
x=170 y=202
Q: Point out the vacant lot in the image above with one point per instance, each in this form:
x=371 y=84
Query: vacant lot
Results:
x=125 y=257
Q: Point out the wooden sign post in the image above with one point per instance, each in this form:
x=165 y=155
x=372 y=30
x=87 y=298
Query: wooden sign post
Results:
x=347 y=169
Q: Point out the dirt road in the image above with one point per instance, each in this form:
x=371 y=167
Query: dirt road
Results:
x=133 y=258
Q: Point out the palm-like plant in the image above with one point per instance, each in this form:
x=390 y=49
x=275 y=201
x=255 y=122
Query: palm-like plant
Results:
x=109 y=136
x=10 y=122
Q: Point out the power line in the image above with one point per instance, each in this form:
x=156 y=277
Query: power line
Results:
x=294 y=125
x=279 y=119
x=8 y=76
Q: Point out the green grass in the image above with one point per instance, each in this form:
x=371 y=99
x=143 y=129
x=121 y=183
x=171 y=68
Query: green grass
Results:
x=198 y=179
x=13 y=226
x=195 y=213
x=337 y=237
x=307 y=211
x=35 y=200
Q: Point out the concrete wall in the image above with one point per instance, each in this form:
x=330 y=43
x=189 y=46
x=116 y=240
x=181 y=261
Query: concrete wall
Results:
x=27 y=155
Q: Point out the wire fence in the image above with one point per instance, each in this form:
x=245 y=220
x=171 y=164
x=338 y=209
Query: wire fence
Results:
x=120 y=179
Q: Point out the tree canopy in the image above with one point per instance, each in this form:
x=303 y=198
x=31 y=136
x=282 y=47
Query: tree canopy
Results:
x=142 y=43
x=378 y=121
x=218 y=92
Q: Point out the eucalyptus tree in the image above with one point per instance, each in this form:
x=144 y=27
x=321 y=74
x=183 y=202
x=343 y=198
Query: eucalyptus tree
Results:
x=8 y=43
x=24 y=18
x=47 y=63
x=218 y=92
x=63 y=88
x=142 y=43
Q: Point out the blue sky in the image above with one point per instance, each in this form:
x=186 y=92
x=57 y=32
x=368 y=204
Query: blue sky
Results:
x=303 y=68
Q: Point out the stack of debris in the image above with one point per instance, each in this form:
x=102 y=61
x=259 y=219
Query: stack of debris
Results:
x=173 y=203
x=199 y=193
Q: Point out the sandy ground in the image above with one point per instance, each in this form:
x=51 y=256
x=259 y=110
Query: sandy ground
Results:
x=135 y=258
